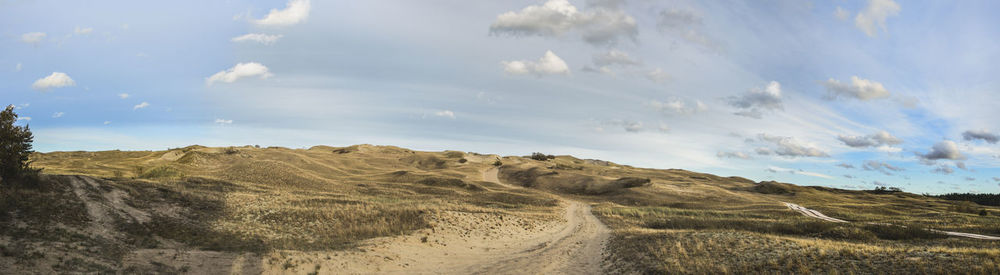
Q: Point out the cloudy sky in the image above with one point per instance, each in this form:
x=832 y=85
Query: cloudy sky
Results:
x=843 y=93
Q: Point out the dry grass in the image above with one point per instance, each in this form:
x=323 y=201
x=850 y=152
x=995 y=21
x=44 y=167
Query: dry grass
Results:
x=248 y=199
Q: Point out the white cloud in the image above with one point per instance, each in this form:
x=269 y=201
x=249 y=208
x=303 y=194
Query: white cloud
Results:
x=123 y=95
x=33 y=37
x=841 y=13
x=58 y=114
x=687 y=26
x=266 y=39
x=888 y=149
x=788 y=147
x=18 y=67
x=873 y=16
x=944 y=149
x=657 y=75
x=604 y=25
x=548 y=64
x=859 y=88
x=880 y=138
x=295 y=11
x=223 y=121
x=82 y=31
x=754 y=102
x=628 y=125
x=54 y=80
x=614 y=57
x=677 y=106
x=106 y=122
x=732 y=154
x=241 y=70
x=25 y=118
x=140 y=106
x=776 y=169
x=445 y=113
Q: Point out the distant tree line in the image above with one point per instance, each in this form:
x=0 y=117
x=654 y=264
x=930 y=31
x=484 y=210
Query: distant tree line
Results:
x=981 y=199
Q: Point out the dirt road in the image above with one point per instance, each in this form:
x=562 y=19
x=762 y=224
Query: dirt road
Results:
x=482 y=243
x=816 y=214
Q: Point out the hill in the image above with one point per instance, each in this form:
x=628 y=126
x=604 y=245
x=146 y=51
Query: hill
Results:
x=365 y=208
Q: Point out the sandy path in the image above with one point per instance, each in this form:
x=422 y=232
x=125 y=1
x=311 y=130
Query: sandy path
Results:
x=816 y=214
x=478 y=243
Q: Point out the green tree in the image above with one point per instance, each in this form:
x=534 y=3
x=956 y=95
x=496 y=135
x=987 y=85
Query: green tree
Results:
x=15 y=147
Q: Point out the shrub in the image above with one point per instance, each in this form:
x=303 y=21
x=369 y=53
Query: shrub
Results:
x=498 y=163
x=541 y=157
x=231 y=151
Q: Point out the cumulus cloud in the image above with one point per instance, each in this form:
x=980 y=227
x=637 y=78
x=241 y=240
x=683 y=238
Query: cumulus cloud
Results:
x=223 y=121
x=873 y=16
x=982 y=134
x=944 y=149
x=241 y=70
x=18 y=67
x=880 y=138
x=140 y=106
x=54 y=80
x=82 y=31
x=266 y=39
x=548 y=64
x=883 y=167
x=295 y=11
x=33 y=37
x=603 y=25
x=788 y=147
x=445 y=113
x=732 y=155
x=757 y=100
x=685 y=25
x=123 y=95
x=858 y=88
x=677 y=106
x=58 y=114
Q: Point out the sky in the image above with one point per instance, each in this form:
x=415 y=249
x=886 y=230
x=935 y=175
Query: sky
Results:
x=851 y=94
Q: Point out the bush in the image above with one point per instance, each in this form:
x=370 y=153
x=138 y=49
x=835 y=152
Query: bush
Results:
x=15 y=147
x=541 y=157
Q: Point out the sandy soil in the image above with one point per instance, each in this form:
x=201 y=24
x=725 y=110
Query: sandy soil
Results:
x=818 y=215
x=472 y=243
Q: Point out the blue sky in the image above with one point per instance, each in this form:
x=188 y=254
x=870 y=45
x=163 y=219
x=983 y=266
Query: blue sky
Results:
x=841 y=93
